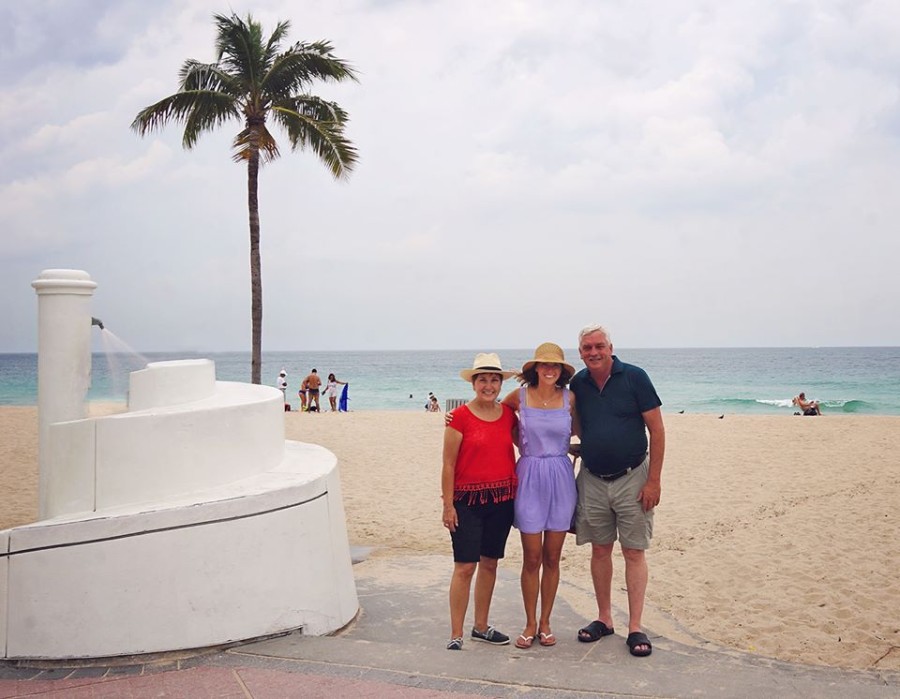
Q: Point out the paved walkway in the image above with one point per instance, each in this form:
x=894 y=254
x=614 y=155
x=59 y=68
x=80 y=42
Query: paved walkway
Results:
x=395 y=648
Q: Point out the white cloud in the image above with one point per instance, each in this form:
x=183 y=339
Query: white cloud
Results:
x=674 y=165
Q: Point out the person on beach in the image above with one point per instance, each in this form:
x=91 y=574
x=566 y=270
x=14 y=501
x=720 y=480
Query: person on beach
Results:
x=478 y=487
x=619 y=483
x=433 y=405
x=807 y=407
x=281 y=382
x=546 y=495
x=313 y=382
x=302 y=394
x=331 y=390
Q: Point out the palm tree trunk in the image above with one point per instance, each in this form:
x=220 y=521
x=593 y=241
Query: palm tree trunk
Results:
x=255 y=268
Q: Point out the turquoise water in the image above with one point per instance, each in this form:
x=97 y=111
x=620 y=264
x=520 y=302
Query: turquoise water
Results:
x=863 y=380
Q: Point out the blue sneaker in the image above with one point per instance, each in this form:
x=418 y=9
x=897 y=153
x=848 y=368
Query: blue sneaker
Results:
x=491 y=635
x=455 y=644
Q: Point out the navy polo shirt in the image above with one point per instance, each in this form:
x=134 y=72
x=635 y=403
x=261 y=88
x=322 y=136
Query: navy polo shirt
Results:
x=613 y=434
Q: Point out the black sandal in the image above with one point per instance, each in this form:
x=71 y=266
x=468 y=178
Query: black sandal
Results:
x=639 y=638
x=594 y=632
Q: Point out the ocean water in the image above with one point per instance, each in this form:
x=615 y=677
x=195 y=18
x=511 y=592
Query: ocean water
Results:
x=863 y=380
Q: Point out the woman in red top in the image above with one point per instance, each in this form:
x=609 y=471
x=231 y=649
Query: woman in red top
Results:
x=478 y=484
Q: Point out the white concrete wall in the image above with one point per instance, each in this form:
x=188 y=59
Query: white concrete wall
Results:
x=158 y=453
x=171 y=383
x=177 y=526
x=4 y=588
x=343 y=565
x=237 y=433
x=70 y=467
x=187 y=576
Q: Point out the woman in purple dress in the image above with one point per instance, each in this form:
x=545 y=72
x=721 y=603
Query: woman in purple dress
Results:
x=546 y=496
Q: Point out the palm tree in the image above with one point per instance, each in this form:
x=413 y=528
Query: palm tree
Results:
x=252 y=80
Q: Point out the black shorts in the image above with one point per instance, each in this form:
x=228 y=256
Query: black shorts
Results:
x=482 y=530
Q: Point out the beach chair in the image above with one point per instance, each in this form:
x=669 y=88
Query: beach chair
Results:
x=452 y=403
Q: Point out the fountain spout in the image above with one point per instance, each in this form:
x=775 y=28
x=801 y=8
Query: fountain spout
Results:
x=97 y=322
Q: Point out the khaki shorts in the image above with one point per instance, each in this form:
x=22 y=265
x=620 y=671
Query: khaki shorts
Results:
x=610 y=508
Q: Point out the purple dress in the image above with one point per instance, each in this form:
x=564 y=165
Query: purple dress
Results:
x=546 y=496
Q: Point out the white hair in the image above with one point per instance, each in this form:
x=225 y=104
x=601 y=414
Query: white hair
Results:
x=587 y=330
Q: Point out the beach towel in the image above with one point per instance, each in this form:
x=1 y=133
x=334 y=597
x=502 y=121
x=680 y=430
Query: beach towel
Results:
x=342 y=403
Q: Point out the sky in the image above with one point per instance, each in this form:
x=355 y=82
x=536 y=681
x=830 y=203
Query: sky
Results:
x=688 y=174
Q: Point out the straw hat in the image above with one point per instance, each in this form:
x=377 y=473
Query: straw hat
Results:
x=549 y=353
x=485 y=363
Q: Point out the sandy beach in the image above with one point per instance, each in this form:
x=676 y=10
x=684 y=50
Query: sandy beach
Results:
x=776 y=535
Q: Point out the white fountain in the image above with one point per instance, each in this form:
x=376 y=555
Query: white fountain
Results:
x=186 y=521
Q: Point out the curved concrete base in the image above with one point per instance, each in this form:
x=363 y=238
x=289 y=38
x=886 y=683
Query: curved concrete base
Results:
x=175 y=528
x=259 y=557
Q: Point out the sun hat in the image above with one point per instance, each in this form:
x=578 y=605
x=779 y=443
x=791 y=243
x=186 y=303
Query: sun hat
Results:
x=548 y=353
x=485 y=363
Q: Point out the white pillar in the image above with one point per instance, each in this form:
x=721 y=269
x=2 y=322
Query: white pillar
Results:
x=64 y=355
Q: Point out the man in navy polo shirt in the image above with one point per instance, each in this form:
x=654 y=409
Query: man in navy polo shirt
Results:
x=619 y=481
